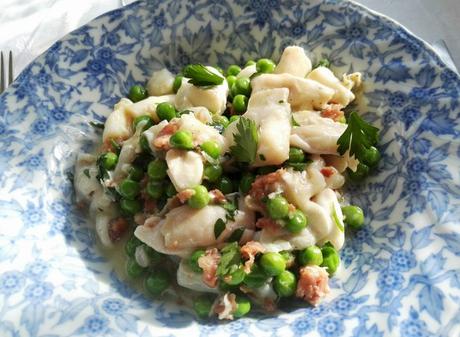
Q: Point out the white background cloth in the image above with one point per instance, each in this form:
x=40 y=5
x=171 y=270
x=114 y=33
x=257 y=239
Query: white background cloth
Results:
x=29 y=27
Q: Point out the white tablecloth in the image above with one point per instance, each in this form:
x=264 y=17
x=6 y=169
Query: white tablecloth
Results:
x=29 y=27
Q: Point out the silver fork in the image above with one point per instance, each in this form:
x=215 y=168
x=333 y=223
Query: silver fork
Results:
x=3 y=83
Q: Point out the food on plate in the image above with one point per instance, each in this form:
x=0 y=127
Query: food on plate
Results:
x=232 y=181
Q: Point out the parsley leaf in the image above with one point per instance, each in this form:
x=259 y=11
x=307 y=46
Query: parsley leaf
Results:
x=236 y=235
x=201 y=76
x=86 y=173
x=219 y=227
x=97 y=125
x=246 y=141
x=358 y=137
x=322 y=63
x=230 y=207
x=230 y=255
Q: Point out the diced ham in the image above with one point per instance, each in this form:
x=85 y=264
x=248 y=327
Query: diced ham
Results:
x=249 y=252
x=117 y=227
x=268 y=224
x=217 y=196
x=162 y=139
x=149 y=205
x=328 y=171
x=333 y=111
x=226 y=306
x=184 y=195
x=209 y=263
x=313 y=284
x=261 y=186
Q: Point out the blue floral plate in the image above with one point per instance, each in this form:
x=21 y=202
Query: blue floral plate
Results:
x=400 y=275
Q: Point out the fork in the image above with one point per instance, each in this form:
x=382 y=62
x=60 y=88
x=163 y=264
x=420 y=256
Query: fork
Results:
x=3 y=84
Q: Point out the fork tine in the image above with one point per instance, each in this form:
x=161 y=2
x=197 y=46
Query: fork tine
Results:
x=10 y=68
x=2 y=74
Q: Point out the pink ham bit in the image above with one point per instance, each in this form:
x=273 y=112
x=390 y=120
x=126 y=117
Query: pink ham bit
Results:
x=249 y=252
x=209 y=263
x=313 y=284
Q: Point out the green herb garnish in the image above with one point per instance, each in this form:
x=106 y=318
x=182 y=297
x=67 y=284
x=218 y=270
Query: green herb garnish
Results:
x=219 y=227
x=322 y=63
x=230 y=255
x=97 y=125
x=86 y=173
x=358 y=137
x=201 y=76
x=246 y=140
x=236 y=235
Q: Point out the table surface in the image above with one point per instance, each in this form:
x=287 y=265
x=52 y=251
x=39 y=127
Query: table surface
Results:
x=32 y=26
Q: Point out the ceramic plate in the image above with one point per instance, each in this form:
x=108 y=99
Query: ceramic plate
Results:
x=400 y=274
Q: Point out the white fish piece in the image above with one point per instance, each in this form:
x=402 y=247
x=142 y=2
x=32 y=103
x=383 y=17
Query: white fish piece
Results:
x=202 y=114
x=185 y=168
x=213 y=98
x=294 y=61
x=283 y=240
x=148 y=106
x=247 y=71
x=129 y=150
x=118 y=123
x=187 y=278
x=352 y=81
x=327 y=199
x=85 y=186
x=200 y=131
x=160 y=83
x=271 y=114
x=323 y=75
x=103 y=209
x=304 y=94
x=316 y=134
x=341 y=163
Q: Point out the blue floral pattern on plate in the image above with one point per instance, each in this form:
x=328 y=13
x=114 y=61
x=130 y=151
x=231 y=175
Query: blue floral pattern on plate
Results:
x=400 y=274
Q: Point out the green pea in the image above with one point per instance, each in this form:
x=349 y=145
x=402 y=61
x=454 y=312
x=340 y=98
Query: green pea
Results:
x=155 y=189
x=193 y=262
x=371 y=156
x=221 y=120
x=157 y=169
x=109 y=160
x=211 y=148
x=131 y=245
x=240 y=103
x=170 y=190
x=135 y=173
x=236 y=276
x=137 y=93
x=233 y=70
x=296 y=155
x=265 y=66
x=165 y=111
x=310 y=256
x=129 y=189
x=225 y=185
x=154 y=256
x=203 y=306
x=277 y=207
x=331 y=259
x=144 y=144
x=133 y=269
x=130 y=207
x=201 y=197
x=361 y=172
x=177 y=83
x=285 y=284
x=242 y=86
x=234 y=118
x=157 y=282
x=250 y=63
x=354 y=216
x=231 y=80
x=256 y=278
x=146 y=119
x=243 y=306
x=296 y=221
x=182 y=140
x=273 y=263
x=246 y=182
x=212 y=172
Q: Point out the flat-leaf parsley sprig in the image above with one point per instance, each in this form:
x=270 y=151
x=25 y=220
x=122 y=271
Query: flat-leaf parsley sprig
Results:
x=246 y=141
x=201 y=76
x=358 y=137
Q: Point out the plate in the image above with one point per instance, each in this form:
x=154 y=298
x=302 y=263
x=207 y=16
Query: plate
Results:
x=400 y=274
